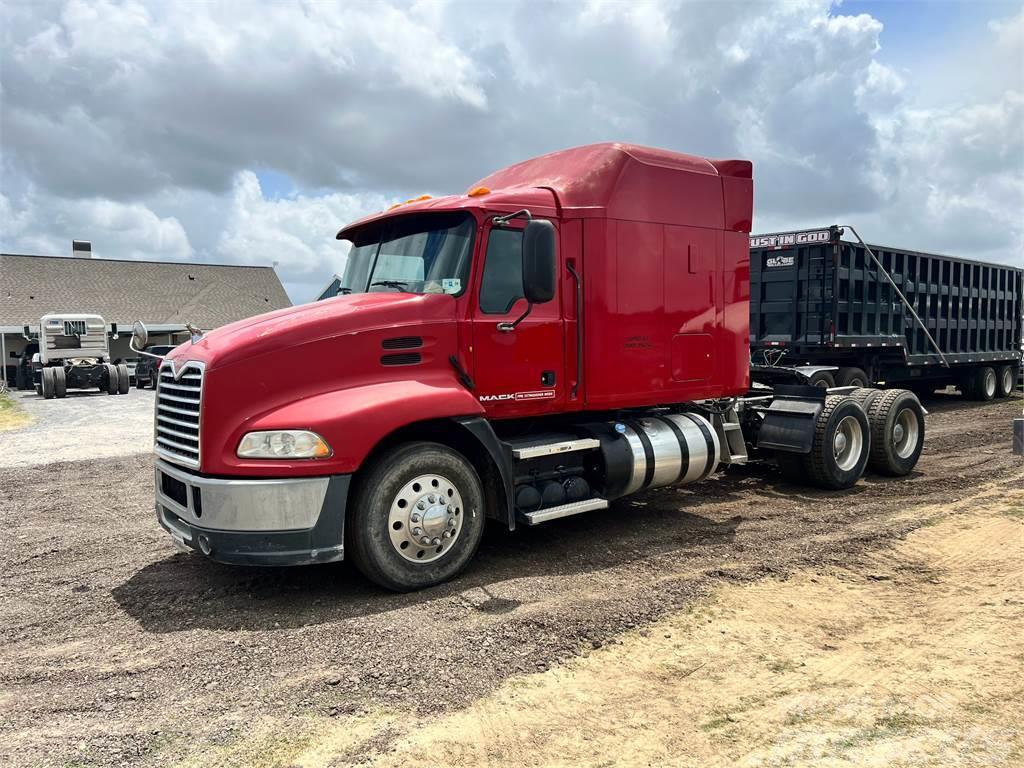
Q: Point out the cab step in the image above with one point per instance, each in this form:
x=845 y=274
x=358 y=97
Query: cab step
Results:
x=563 y=510
x=537 y=447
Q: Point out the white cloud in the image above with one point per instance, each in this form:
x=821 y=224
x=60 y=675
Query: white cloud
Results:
x=296 y=233
x=40 y=223
x=138 y=122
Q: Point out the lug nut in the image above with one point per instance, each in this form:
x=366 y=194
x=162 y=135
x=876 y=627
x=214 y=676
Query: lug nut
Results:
x=415 y=518
x=432 y=498
x=436 y=541
x=447 y=534
x=450 y=509
x=425 y=540
x=421 y=505
x=416 y=531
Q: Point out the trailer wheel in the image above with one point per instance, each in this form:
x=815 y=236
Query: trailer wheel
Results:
x=139 y=383
x=49 y=383
x=123 y=379
x=60 y=383
x=1005 y=376
x=841 y=444
x=418 y=517
x=852 y=377
x=112 y=384
x=822 y=379
x=984 y=384
x=897 y=432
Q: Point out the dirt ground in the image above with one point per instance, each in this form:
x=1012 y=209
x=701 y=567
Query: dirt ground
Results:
x=743 y=621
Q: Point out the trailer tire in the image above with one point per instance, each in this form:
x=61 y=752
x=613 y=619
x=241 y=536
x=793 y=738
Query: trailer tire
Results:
x=49 y=383
x=1006 y=376
x=983 y=385
x=841 y=444
x=852 y=377
x=60 y=383
x=112 y=384
x=139 y=383
x=124 y=381
x=387 y=496
x=897 y=433
x=822 y=379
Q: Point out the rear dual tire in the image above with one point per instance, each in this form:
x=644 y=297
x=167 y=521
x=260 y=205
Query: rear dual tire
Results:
x=981 y=384
x=852 y=377
x=112 y=385
x=881 y=430
x=49 y=383
x=839 y=451
x=123 y=379
x=897 y=432
x=1006 y=378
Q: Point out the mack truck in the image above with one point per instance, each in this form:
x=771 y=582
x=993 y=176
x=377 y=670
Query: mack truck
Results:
x=571 y=330
x=74 y=352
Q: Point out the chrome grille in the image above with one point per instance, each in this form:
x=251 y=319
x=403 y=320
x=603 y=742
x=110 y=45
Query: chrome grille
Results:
x=178 y=400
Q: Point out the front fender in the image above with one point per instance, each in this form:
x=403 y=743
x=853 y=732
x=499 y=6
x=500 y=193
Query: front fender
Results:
x=352 y=421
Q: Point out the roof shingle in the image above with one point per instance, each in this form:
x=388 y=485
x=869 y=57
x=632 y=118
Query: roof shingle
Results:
x=122 y=291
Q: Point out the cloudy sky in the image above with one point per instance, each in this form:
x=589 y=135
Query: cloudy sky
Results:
x=249 y=133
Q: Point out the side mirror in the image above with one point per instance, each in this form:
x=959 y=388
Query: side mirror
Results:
x=140 y=336
x=539 y=261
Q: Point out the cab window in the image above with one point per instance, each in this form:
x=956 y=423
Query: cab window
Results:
x=502 y=284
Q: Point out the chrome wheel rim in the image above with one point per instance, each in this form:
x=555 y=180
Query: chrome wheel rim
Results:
x=905 y=433
x=990 y=383
x=425 y=518
x=848 y=443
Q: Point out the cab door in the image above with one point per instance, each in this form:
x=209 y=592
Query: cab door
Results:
x=518 y=372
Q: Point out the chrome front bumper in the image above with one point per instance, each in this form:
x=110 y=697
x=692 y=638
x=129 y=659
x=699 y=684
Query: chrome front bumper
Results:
x=284 y=521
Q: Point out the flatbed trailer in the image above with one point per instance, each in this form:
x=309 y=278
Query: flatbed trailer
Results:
x=871 y=314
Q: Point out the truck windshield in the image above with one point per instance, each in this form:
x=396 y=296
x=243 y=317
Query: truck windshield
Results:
x=420 y=253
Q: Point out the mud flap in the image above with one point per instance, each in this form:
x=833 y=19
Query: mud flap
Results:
x=789 y=422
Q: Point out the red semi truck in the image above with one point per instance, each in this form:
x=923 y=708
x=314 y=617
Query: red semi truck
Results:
x=573 y=329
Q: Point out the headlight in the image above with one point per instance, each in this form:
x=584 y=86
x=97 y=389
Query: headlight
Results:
x=283 y=444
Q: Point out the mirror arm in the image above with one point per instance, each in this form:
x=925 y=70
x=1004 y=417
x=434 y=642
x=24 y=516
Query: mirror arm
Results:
x=508 y=327
x=131 y=345
x=500 y=221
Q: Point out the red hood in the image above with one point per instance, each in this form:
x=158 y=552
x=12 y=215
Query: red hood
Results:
x=309 y=323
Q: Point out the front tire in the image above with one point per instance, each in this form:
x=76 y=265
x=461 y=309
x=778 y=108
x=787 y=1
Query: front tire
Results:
x=417 y=517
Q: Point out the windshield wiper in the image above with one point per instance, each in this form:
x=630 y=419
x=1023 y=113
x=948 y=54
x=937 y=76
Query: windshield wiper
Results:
x=392 y=284
x=345 y=289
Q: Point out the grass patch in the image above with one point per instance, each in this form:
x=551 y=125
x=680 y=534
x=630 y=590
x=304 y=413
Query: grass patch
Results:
x=894 y=725
x=11 y=415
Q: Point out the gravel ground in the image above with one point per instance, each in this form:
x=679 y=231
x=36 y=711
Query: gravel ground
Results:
x=85 y=423
x=115 y=649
